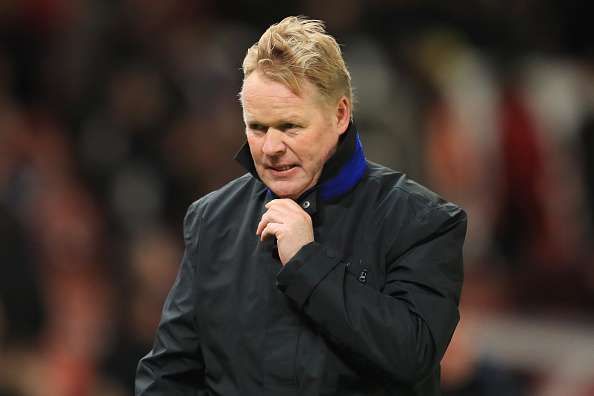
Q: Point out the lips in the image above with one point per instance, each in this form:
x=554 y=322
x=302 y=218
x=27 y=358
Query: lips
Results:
x=281 y=168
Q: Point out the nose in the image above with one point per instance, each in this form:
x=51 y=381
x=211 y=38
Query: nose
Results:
x=274 y=144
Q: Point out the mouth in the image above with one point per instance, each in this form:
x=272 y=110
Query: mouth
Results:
x=282 y=170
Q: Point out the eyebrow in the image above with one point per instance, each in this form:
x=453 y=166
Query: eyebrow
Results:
x=291 y=119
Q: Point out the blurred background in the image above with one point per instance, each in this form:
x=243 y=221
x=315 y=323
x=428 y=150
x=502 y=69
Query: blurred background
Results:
x=116 y=115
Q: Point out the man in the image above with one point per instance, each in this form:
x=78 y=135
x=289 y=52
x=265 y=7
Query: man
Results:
x=318 y=272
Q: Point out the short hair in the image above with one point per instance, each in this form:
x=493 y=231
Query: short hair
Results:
x=298 y=49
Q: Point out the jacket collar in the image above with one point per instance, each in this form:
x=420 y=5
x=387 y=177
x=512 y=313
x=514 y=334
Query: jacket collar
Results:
x=341 y=172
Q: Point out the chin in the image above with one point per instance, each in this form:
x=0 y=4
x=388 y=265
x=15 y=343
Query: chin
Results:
x=285 y=191
x=285 y=194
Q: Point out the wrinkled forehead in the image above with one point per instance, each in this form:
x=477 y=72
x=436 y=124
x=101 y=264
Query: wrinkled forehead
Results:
x=267 y=101
x=255 y=90
x=257 y=86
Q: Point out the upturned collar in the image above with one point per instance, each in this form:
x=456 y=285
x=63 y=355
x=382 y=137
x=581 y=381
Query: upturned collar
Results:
x=341 y=172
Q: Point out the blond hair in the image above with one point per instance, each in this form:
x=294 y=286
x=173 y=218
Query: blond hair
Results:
x=298 y=49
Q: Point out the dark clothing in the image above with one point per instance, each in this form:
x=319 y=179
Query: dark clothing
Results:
x=366 y=309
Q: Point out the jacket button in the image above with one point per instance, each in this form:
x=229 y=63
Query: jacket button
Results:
x=305 y=204
x=363 y=276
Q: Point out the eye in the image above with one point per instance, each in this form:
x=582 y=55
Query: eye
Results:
x=288 y=126
x=257 y=127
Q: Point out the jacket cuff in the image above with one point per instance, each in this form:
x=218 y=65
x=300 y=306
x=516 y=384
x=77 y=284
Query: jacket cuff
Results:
x=301 y=275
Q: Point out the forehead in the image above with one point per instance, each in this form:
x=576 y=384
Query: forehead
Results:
x=262 y=97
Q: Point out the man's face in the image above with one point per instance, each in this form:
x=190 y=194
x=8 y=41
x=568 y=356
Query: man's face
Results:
x=290 y=136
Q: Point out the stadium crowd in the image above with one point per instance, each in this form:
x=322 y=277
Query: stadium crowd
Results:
x=116 y=115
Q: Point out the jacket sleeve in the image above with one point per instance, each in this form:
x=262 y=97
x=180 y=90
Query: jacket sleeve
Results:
x=174 y=366
x=401 y=329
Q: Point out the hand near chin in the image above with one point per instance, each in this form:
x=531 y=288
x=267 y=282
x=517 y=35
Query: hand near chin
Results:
x=289 y=223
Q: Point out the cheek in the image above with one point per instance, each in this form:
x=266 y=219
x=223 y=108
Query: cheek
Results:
x=254 y=146
x=315 y=159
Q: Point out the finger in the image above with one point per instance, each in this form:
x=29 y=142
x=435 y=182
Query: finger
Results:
x=284 y=202
x=285 y=205
x=271 y=230
x=288 y=209
x=271 y=215
x=275 y=202
x=263 y=222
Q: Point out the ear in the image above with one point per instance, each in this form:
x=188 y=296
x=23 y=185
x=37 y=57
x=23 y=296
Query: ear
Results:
x=343 y=115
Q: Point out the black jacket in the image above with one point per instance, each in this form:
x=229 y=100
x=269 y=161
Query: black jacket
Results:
x=367 y=309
